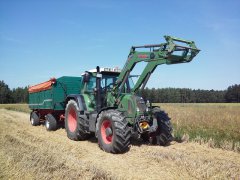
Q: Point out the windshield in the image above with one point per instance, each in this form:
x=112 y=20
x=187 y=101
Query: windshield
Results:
x=131 y=83
x=108 y=81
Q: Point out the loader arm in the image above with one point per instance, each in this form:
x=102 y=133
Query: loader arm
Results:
x=187 y=53
x=144 y=77
x=165 y=53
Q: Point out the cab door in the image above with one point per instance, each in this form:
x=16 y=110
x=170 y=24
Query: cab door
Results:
x=89 y=93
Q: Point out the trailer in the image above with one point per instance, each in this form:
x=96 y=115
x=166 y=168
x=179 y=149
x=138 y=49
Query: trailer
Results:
x=47 y=100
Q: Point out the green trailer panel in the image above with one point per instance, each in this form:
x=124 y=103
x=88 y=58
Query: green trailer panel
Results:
x=54 y=98
x=41 y=100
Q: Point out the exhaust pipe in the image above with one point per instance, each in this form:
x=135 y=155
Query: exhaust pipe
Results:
x=98 y=89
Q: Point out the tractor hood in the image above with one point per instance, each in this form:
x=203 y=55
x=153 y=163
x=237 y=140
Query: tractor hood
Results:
x=133 y=105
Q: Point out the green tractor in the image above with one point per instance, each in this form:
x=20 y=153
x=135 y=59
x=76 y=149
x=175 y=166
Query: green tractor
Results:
x=107 y=102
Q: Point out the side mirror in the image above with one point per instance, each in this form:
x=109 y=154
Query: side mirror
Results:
x=86 y=77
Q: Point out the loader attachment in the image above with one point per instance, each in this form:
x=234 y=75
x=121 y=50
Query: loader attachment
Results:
x=180 y=53
x=173 y=51
x=168 y=53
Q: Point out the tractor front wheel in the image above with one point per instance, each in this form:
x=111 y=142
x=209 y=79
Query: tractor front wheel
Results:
x=163 y=135
x=113 y=132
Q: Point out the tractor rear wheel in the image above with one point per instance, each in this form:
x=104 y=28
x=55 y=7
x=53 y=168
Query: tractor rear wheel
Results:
x=113 y=132
x=74 y=124
x=34 y=119
x=163 y=135
x=50 y=122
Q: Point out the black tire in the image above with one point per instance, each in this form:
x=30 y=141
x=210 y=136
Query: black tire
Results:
x=34 y=119
x=75 y=125
x=50 y=122
x=113 y=132
x=145 y=137
x=149 y=138
x=163 y=135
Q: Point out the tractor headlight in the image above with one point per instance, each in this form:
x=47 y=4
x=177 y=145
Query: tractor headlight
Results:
x=144 y=125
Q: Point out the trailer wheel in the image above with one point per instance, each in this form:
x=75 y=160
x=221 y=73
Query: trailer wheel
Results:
x=75 y=125
x=113 y=132
x=50 y=122
x=163 y=135
x=34 y=119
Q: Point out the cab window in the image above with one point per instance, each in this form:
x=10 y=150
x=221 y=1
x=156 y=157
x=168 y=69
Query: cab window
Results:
x=108 y=82
x=91 y=84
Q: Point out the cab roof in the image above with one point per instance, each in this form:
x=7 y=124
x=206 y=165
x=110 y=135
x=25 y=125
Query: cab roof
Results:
x=107 y=70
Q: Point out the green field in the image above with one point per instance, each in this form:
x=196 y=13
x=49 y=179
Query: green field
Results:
x=216 y=125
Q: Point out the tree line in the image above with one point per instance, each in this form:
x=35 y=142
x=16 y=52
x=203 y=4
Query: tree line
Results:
x=185 y=95
x=161 y=95
x=15 y=95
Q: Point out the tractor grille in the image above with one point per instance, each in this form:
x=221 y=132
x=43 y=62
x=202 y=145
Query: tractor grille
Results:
x=141 y=104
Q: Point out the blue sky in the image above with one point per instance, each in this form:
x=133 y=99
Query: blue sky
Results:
x=52 y=38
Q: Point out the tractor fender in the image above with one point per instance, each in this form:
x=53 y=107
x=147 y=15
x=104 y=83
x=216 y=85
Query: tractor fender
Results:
x=79 y=99
x=104 y=109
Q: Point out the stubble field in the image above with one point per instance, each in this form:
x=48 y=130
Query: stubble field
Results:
x=28 y=152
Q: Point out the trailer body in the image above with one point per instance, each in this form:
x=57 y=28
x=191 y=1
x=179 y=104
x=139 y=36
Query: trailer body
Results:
x=51 y=95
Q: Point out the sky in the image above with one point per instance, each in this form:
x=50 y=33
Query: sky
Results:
x=40 y=39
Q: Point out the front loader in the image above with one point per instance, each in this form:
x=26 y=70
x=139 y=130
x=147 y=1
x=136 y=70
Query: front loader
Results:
x=106 y=102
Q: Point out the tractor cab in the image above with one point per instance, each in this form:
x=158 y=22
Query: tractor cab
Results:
x=109 y=77
x=100 y=82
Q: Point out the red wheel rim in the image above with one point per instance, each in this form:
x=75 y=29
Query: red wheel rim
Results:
x=107 y=139
x=72 y=120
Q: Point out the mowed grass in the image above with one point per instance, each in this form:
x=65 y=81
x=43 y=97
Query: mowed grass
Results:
x=217 y=125
x=214 y=124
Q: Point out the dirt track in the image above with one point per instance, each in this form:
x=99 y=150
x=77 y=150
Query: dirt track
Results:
x=28 y=152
